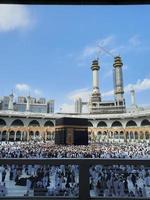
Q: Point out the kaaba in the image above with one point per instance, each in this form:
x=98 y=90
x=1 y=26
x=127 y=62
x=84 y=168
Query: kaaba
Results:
x=71 y=131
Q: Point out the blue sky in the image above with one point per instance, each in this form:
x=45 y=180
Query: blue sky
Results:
x=47 y=50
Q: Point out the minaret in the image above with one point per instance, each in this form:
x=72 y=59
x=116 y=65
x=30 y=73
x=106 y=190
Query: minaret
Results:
x=133 y=102
x=118 y=79
x=96 y=97
x=28 y=103
x=10 y=105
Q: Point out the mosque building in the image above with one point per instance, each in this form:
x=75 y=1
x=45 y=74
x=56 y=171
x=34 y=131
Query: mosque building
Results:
x=108 y=121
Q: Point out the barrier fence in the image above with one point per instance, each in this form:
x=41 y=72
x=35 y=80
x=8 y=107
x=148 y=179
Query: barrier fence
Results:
x=84 y=165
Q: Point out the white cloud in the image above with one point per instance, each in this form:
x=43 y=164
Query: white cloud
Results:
x=37 y=92
x=106 y=41
x=22 y=87
x=132 y=44
x=135 y=41
x=108 y=93
x=109 y=46
x=25 y=89
x=94 y=50
x=83 y=93
x=90 y=51
x=14 y=17
x=139 y=86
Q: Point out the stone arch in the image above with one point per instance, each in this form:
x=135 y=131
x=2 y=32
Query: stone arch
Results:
x=116 y=135
x=136 y=135
x=49 y=135
x=99 y=136
x=145 y=122
x=34 y=123
x=102 y=124
x=147 y=135
x=116 y=124
x=53 y=135
x=99 y=133
x=105 y=133
x=18 y=136
x=90 y=124
x=17 y=122
x=31 y=135
x=121 y=135
x=131 y=123
x=37 y=133
x=141 y=135
x=4 y=136
x=127 y=135
x=131 y=135
x=12 y=136
x=2 y=122
x=49 y=123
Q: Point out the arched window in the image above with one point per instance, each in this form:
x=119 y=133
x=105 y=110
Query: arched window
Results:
x=105 y=133
x=2 y=122
x=121 y=134
x=145 y=122
x=99 y=133
x=131 y=135
x=116 y=135
x=147 y=135
x=49 y=123
x=11 y=136
x=131 y=123
x=4 y=136
x=49 y=136
x=102 y=124
x=37 y=133
x=18 y=136
x=116 y=124
x=141 y=135
x=136 y=135
x=17 y=122
x=34 y=123
x=127 y=135
x=90 y=124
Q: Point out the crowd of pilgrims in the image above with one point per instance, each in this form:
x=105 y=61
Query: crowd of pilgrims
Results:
x=63 y=180
x=50 y=150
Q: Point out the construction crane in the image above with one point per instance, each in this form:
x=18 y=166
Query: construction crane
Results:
x=105 y=50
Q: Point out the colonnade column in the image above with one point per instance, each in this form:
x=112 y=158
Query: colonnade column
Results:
x=113 y=136
x=144 y=136
x=138 y=137
x=7 y=135
x=21 y=136
x=34 y=134
x=45 y=135
x=119 y=136
x=27 y=135
x=15 y=136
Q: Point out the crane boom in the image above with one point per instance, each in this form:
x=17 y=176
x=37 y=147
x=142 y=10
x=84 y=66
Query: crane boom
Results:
x=106 y=51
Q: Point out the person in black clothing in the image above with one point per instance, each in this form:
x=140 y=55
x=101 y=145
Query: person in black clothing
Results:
x=3 y=175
